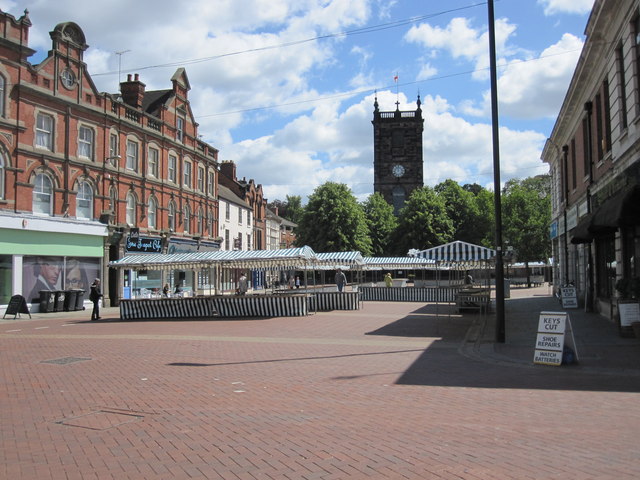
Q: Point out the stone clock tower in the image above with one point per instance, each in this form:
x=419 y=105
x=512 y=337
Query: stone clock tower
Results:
x=397 y=153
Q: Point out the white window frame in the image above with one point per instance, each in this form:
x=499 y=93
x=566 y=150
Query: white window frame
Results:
x=171 y=216
x=2 y=92
x=172 y=168
x=44 y=131
x=186 y=213
x=153 y=161
x=84 y=201
x=114 y=145
x=200 y=221
x=187 y=177
x=180 y=128
x=227 y=211
x=132 y=155
x=130 y=216
x=42 y=194
x=85 y=142
x=3 y=165
x=201 y=179
x=211 y=179
x=152 y=213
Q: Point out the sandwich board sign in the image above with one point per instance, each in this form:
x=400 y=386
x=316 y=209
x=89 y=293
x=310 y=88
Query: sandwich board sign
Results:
x=554 y=331
x=569 y=297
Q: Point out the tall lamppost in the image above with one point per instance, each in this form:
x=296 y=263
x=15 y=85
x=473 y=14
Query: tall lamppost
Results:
x=500 y=320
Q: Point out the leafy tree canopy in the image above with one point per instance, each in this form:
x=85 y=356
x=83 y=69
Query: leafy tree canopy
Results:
x=333 y=221
x=381 y=222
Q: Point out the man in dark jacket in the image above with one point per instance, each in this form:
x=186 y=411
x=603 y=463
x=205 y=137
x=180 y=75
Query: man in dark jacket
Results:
x=95 y=296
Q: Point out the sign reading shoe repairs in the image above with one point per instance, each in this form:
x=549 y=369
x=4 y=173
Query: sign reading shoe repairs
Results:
x=553 y=329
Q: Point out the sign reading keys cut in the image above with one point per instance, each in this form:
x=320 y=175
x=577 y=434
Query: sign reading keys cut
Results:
x=554 y=329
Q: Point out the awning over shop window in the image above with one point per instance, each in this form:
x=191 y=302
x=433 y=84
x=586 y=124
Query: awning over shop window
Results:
x=581 y=233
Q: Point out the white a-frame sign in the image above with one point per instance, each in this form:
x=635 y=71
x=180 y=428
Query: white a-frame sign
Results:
x=554 y=331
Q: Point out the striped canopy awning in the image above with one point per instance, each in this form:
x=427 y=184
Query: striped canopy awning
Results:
x=251 y=259
x=397 y=263
x=458 y=251
x=332 y=260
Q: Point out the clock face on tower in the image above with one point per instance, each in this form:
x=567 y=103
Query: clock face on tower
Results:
x=68 y=78
x=398 y=171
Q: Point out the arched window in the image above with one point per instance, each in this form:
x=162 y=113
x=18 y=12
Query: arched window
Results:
x=152 y=213
x=42 y=195
x=398 y=194
x=84 y=201
x=200 y=221
x=2 y=175
x=2 y=92
x=171 y=216
x=131 y=210
x=210 y=223
x=187 y=218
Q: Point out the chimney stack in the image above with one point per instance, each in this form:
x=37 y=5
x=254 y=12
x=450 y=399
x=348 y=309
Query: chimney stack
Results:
x=132 y=91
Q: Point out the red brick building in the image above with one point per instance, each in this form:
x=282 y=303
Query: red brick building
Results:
x=86 y=176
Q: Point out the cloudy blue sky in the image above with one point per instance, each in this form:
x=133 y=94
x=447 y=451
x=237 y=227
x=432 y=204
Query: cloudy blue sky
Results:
x=285 y=88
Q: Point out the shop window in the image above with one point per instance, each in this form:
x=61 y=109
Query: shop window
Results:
x=42 y=195
x=605 y=266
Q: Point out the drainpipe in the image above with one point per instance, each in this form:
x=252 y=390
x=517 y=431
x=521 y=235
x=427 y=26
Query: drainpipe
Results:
x=565 y=188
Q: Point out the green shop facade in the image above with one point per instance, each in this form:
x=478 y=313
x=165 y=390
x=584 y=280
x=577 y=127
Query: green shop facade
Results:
x=52 y=254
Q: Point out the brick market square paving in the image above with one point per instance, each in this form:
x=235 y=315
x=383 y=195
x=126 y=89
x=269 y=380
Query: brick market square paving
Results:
x=382 y=392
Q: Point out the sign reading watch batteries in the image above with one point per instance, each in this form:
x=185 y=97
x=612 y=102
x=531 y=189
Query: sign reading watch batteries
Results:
x=554 y=330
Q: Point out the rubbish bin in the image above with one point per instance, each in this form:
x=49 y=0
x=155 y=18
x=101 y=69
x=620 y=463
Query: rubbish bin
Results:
x=47 y=300
x=59 y=302
x=79 y=299
x=70 y=300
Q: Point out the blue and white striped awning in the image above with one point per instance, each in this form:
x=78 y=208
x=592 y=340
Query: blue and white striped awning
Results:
x=251 y=259
x=397 y=263
x=458 y=251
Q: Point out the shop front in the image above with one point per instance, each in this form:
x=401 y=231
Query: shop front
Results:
x=48 y=254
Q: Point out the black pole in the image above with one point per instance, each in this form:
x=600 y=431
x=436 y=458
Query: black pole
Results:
x=500 y=321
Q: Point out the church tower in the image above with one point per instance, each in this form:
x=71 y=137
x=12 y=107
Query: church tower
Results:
x=397 y=153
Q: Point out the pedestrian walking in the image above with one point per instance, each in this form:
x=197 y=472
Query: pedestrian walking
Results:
x=95 y=295
x=340 y=279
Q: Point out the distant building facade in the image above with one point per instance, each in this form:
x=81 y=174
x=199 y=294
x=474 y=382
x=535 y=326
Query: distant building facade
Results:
x=87 y=177
x=397 y=153
x=594 y=158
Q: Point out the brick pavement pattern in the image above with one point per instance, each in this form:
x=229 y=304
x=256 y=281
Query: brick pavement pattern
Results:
x=385 y=392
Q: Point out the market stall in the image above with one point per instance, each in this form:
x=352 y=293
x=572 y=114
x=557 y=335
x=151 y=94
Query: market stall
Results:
x=473 y=262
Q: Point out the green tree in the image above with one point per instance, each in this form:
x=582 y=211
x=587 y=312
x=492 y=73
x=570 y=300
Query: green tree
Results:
x=463 y=210
x=381 y=222
x=526 y=216
x=333 y=221
x=422 y=223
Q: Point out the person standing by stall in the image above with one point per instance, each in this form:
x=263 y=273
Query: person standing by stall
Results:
x=95 y=296
x=341 y=279
x=165 y=290
x=243 y=284
x=388 y=281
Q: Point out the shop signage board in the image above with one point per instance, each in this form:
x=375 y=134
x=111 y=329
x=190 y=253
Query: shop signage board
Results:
x=629 y=313
x=569 y=297
x=554 y=331
x=17 y=305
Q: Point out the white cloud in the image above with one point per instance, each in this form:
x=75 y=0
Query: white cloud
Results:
x=553 y=7
x=462 y=42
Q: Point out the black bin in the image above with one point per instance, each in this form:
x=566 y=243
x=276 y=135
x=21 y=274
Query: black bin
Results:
x=47 y=300
x=70 y=297
x=79 y=299
x=59 y=305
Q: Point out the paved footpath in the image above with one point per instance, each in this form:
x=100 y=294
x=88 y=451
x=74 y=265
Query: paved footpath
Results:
x=386 y=392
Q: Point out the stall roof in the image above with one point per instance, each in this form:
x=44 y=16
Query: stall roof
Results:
x=340 y=259
x=396 y=263
x=253 y=259
x=458 y=251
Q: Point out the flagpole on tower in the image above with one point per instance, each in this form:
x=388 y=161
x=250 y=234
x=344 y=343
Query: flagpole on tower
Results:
x=395 y=79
